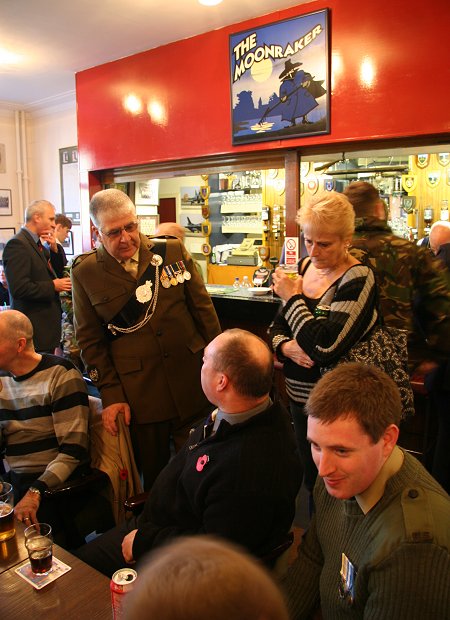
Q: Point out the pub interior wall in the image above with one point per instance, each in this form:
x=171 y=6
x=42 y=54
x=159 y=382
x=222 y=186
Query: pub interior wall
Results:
x=190 y=80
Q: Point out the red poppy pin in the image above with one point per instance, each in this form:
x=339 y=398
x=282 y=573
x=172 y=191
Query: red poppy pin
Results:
x=201 y=462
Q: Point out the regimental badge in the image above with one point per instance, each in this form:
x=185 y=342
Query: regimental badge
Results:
x=156 y=260
x=422 y=160
x=205 y=211
x=312 y=184
x=433 y=178
x=93 y=374
x=443 y=158
x=204 y=192
x=408 y=203
x=409 y=182
x=264 y=252
x=144 y=292
x=329 y=184
x=206 y=228
x=206 y=249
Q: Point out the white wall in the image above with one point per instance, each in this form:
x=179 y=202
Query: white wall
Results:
x=8 y=179
x=47 y=131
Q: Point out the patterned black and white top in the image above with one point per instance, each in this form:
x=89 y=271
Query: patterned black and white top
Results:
x=352 y=314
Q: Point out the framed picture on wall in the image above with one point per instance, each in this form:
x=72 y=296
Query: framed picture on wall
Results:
x=192 y=223
x=146 y=192
x=5 y=236
x=68 y=244
x=191 y=197
x=148 y=224
x=280 y=80
x=5 y=202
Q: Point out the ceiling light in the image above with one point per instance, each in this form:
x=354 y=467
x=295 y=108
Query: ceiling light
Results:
x=210 y=2
x=8 y=58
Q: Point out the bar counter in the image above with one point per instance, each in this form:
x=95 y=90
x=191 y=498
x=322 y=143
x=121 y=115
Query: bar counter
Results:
x=241 y=308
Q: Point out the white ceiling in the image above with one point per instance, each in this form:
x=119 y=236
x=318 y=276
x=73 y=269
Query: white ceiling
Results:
x=56 y=38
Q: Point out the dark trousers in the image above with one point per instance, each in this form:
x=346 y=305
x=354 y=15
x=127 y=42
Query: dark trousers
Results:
x=105 y=552
x=438 y=385
x=300 y=421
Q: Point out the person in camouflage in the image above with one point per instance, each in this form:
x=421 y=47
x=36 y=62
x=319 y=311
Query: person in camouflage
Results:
x=414 y=287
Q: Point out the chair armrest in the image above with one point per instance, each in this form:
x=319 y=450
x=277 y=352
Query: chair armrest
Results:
x=95 y=477
x=135 y=503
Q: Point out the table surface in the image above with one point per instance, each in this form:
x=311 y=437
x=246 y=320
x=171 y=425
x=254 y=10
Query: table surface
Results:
x=82 y=591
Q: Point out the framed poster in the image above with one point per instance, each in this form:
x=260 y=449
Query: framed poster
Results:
x=148 y=224
x=147 y=192
x=5 y=236
x=192 y=223
x=280 y=80
x=5 y=202
x=191 y=197
x=68 y=243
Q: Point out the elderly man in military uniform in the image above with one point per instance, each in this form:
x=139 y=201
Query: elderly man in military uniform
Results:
x=142 y=318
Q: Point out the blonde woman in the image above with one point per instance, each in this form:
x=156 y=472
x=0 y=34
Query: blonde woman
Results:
x=327 y=309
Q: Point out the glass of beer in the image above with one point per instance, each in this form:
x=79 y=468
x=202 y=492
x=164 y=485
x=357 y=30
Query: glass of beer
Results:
x=7 y=529
x=39 y=544
x=290 y=270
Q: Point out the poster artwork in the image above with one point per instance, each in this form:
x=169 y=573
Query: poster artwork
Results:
x=280 y=80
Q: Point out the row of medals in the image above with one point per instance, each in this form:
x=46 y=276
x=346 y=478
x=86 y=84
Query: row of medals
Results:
x=174 y=274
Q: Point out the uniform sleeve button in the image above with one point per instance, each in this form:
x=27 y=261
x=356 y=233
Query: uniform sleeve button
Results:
x=413 y=493
x=159 y=332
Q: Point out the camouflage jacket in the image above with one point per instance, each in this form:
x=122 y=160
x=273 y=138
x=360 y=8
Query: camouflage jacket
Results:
x=414 y=287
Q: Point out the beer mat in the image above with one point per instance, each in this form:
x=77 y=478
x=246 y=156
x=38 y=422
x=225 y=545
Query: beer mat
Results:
x=40 y=581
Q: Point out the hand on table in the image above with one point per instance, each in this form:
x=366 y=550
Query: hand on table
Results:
x=26 y=509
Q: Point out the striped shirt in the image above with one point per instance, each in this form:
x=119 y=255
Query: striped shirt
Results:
x=44 y=420
x=351 y=300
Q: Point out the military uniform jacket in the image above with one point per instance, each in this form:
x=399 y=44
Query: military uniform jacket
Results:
x=157 y=368
x=31 y=288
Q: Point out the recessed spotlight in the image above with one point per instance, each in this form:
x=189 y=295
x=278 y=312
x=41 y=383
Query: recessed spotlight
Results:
x=210 y=2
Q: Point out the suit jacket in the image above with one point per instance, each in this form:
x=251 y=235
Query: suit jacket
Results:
x=157 y=368
x=31 y=289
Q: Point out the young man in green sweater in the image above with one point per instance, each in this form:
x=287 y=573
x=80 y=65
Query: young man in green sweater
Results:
x=378 y=545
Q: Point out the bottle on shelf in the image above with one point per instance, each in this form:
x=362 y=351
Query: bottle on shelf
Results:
x=236 y=283
x=245 y=282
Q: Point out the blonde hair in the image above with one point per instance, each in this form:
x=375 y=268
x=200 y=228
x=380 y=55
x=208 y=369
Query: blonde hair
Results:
x=327 y=212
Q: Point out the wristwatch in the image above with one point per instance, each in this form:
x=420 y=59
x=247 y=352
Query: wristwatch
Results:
x=35 y=490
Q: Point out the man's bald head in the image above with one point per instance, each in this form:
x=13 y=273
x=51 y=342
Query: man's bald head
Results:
x=439 y=235
x=171 y=228
x=15 y=325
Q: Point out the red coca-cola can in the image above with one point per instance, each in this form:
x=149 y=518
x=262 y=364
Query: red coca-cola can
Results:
x=122 y=582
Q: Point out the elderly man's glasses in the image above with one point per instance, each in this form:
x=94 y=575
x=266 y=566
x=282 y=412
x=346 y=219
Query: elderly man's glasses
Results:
x=115 y=233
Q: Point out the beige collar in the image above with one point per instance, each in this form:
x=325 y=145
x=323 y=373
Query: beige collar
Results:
x=374 y=493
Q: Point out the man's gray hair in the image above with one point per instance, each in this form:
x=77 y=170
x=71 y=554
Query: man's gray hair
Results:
x=109 y=201
x=37 y=207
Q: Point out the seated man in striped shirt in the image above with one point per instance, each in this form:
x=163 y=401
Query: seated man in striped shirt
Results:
x=44 y=414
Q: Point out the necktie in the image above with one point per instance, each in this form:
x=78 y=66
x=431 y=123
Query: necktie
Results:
x=130 y=266
x=47 y=257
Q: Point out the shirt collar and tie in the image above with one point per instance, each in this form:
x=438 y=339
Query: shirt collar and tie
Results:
x=131 y=265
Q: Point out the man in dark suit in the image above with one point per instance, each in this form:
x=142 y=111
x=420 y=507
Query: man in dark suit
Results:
x=55 y=244
x=142 y=319
x=31 y=271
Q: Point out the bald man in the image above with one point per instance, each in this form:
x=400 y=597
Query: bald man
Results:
x=238 y=474
x=43 y=419
x=173 y=229
x=31 y=271
x=440 y=241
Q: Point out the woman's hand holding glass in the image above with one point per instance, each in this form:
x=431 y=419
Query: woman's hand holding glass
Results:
x=293 y=351
x=285 y=286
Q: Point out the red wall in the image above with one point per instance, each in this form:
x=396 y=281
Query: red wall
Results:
x=407 y=41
